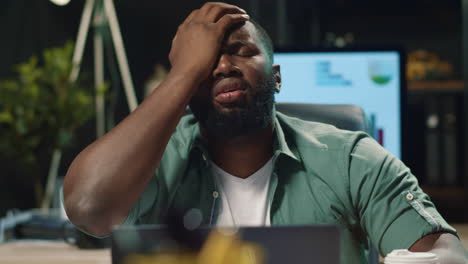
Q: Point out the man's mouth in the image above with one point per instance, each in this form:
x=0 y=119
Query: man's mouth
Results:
x=229 y=92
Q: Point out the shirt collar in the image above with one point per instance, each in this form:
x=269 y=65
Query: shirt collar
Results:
x=198 y=146
x=280 y=144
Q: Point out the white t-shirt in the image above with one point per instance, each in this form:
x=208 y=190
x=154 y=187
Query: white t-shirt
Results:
x=244 y=201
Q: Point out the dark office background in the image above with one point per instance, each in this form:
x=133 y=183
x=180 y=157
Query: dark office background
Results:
x=29 y=26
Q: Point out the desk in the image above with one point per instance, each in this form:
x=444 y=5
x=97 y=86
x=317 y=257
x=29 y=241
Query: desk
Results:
x=48 y=252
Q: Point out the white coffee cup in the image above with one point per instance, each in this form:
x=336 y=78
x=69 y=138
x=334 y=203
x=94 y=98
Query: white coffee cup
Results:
x=403 y=256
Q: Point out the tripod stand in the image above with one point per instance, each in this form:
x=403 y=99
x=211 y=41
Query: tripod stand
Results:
x=103 y=12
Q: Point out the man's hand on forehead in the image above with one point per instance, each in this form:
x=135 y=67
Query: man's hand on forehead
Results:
x=211 y=12
x=198 y=40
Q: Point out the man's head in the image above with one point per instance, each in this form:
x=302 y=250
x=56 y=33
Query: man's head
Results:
x=238 y=97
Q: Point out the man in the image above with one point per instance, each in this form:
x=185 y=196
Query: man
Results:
x=238 y=162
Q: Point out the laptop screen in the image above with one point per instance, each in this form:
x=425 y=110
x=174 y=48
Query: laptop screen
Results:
x=370 y=79
x=279 y=244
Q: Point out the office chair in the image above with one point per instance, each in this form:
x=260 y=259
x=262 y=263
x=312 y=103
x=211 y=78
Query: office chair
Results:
x=343 y=116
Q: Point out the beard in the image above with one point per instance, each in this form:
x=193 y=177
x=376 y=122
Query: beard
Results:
x=249 y=117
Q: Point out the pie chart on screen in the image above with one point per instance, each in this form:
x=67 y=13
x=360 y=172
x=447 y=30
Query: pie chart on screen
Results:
x=381 y=72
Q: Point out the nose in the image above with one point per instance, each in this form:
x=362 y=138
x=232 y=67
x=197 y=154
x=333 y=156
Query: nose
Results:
x=226 y=68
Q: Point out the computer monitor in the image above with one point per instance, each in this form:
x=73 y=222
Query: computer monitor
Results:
x=372 y=79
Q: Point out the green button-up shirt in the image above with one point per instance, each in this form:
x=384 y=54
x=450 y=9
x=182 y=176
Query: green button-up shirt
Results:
x=322 y=175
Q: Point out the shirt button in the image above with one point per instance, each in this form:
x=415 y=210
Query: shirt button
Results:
x=205 y=161
x=409 y=196
x=215 y=194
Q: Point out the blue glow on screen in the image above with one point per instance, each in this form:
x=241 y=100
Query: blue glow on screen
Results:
x=368 y=79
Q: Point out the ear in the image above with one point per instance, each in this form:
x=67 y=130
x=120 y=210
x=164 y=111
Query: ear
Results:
x=277 y=75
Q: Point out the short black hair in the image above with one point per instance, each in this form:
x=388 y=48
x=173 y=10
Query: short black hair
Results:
x=264 y=38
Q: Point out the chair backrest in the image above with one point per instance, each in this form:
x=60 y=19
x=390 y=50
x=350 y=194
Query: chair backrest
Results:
x=343 y=116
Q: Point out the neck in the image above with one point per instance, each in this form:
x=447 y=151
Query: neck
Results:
x=243 y=155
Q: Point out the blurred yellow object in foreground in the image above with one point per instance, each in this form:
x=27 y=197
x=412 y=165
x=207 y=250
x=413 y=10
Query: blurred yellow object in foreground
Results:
x=221 y=247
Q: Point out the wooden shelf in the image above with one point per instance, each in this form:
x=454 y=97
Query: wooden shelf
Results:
x=446 y=193
x=450 y=202
x=448 y=86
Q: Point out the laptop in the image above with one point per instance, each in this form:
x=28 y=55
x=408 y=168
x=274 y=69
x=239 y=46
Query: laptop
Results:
x=285 y=244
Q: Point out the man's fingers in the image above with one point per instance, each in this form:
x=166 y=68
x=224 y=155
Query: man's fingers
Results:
x=210 y=5
x=213 y=11
x=174 y=39
x=218 y=12
x=190 y=17
x=230 y=19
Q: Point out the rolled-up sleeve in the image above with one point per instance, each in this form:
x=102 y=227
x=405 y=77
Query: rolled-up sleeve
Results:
x=393 y=210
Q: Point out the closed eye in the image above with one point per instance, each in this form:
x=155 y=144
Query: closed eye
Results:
x=241 y=49
x=245 y=52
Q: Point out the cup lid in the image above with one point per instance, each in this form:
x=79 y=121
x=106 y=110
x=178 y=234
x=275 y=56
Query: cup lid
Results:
x=406 y=256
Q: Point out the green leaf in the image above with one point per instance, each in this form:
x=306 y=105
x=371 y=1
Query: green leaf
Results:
x=6 y=117
x=103 y=88
x=64 y=138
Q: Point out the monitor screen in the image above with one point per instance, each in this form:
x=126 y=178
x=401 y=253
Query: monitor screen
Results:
x=369 y=79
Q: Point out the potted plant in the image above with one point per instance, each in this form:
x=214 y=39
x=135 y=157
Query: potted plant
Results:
x=40 y=111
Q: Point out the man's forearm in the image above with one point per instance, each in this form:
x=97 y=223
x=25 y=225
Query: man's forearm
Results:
x=446 y=246
x=449 y=256
x=106 y=178
x=450 y=251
